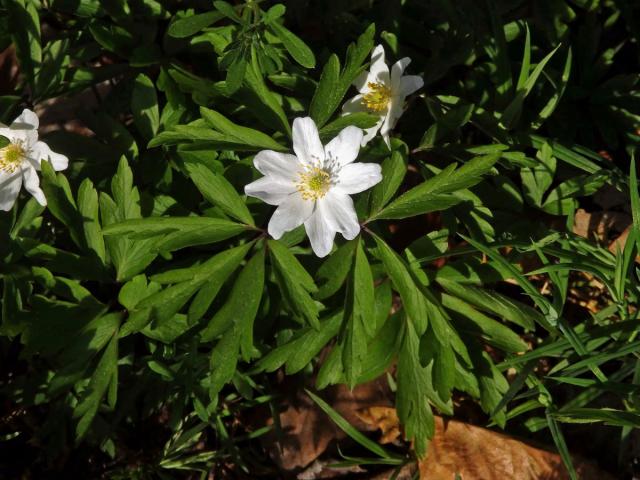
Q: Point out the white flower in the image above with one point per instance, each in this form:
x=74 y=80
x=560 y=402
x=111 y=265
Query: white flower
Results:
x=313 y=186
x=20 y=159
x=383 y=93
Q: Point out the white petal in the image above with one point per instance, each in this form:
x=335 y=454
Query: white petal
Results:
x=345 y=146
x=358 y=177
x=395 y=112
x=27 y=120
x=354 y=105
x=398 y=69
x=361 y=82
x=41 y=151
x=290 y=214
x=370 y=133
x=340 y=214
x=320 y=233
x=32 y=184
x=410 y=84
x=11 y=134
x=277 y=164
x=28 y=137
x=379 y=71
x=9 y=188
x=306 y=141
x=271 y=190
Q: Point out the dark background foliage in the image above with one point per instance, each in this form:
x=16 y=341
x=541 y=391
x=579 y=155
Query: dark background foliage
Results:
x=146 y=318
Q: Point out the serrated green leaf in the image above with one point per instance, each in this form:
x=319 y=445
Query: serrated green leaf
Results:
x=217 y=190
x=144 y=105
x=192 y=24
x=239 y=134
x=240 y=309
x=88 y=209
x=437 y=193
x=413 y=301
x=300 y=52
x=296 y=283
x=413 y=408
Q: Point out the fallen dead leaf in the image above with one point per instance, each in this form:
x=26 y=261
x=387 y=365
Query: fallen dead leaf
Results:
x=306 y=432
x=472 y=452
x=600 y=226
x=476 y=453
x=383 y=418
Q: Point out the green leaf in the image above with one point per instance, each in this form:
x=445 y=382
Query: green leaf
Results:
x=192 y=24
x=513 y=111
x=537 y=180
x=413 y=301
x=144 y=105
x=437 y=192
x=128 y=256
x=105 y=373
x=446 y=124
x=224 y=359
x=296 y=283
x=333 y=272
x=324 y=100
x=560 y=200
x=273 y=111
x=561 y=445
x=219 y=192
x=161 y=306
x=413 y=408
x=24 y=25
x=240 y=309
x=607 y=416
x=88 y=209
x=361 y=120
x=298 y=353
x=174 y=233
x=553 y=102
x=333 y=84
x=363 y=299
x=236 y=74
x=495 y=303
x=300 y=52
x=238 y=134
x=227 y=10
x=490 y=330
x=61 y=204
x=393 y=172
x=635 y=199
x=359 y=316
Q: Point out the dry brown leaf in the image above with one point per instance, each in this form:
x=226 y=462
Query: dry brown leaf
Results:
x=383 y=418
x=307 y=431
x=476 y=453
x=599 y=225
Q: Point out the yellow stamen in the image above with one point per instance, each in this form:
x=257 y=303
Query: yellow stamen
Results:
x=11 y=157
x=377 y=98
x=314 y=183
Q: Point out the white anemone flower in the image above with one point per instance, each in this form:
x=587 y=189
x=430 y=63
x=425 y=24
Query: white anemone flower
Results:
x=313 y=186
x=383 y=93
x=20 y=159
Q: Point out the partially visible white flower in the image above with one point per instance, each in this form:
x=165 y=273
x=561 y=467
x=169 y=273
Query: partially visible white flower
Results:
x=313 y=186
x=20 y=159
x=382 y=93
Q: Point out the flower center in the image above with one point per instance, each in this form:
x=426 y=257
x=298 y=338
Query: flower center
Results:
x=11 y=157
x=377 y=98
x=314 y=183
